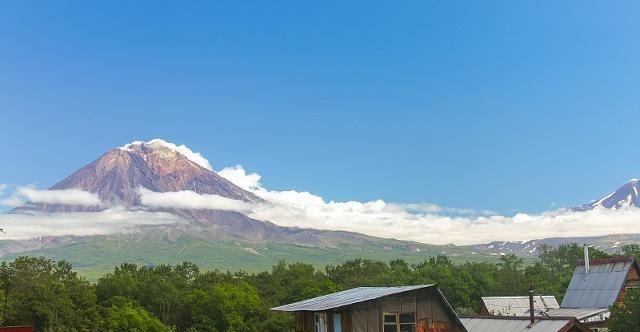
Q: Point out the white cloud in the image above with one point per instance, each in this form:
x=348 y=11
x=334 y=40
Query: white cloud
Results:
x=421 y=222
x=195 y=157
x=425 y=222
x=188 y=199
x=25 y=226
x=13 y=201
x=23 y=195
x=238 y=176
x=64 y=197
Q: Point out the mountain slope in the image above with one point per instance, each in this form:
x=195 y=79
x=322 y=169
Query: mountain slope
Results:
x=118 y=174
x=95 y=255
x=227 y=239
x=212 y=238
x=625 y=196
x=608 y=243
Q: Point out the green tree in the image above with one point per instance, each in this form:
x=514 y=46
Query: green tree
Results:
x=455 y=282
x=129 y=318
x=161 y=290
x=564 y=258
x=364 y=272
x=626 y=317
x=48 y=295
x=509 y=276
x=631 y=250
x=292 y=282
x=545 y=280
x=230 y=307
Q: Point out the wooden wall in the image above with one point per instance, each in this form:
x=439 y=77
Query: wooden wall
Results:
x=304 y=320
x=426 y=303
x=633 y=280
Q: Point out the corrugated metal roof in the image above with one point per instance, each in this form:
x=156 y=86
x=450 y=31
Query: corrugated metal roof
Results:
x=518 y=305
x=600 y=287
x=514 y=324
x=578 y=313
x=347 y=297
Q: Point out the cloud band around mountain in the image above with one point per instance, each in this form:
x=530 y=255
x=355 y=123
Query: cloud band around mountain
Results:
x=111 y=221
x=426 y=222
x=77 y=197
x=187 y=199
x=421 y=222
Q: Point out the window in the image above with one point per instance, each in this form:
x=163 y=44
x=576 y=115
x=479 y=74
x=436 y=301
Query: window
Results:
x=399 y=322
x=320 y=322
x=337 y=322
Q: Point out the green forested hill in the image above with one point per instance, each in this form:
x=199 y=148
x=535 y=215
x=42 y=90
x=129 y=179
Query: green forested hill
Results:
x=93 y=256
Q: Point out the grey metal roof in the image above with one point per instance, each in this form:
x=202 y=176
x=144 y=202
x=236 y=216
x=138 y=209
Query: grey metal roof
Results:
x=347 y=297
x=518 y=305
x=578 y=313
x=515 y=324
x=600 y=287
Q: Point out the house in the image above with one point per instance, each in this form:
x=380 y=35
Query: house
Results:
x=602 y=282
x=522 y=324
x=594 y=287
x=419 y=308
x=515 y=305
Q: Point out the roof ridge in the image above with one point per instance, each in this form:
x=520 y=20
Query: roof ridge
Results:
x=520 y=317
x=348 y=297
x=608 y=260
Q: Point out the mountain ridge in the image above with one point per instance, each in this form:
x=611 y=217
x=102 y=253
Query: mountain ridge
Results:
x=627 y=195
x=116 y=176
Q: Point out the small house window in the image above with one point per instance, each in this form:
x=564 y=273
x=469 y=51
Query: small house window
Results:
x=320 y=322
x=337 y=322
x=399 y=321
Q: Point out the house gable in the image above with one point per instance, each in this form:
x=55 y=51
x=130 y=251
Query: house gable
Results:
x=421 y=307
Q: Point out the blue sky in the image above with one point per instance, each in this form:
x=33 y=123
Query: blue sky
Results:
x=500 y=105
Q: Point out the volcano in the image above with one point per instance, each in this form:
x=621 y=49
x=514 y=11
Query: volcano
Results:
x=160 y=166
x=156 y=165
x=626 y=195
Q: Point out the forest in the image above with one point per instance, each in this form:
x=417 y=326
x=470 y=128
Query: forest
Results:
x=51 y=296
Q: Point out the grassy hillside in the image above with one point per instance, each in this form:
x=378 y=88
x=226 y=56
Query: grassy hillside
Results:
x=96 y=255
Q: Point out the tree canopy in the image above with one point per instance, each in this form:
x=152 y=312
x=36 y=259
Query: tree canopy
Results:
x=626 y=318
x=52 y=297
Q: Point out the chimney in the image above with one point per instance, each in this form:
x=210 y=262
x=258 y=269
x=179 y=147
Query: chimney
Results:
x=586 y=258
x=531 y=309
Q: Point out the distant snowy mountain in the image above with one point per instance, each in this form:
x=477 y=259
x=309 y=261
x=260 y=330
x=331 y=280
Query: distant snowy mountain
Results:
x=625 y=196
x=607 y=243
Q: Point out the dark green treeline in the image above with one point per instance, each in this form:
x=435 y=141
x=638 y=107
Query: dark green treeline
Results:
x=51 y=296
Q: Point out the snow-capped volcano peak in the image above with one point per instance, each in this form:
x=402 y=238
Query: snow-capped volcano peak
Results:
x=158 y=143
x=156 y=165
x=628 y=195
